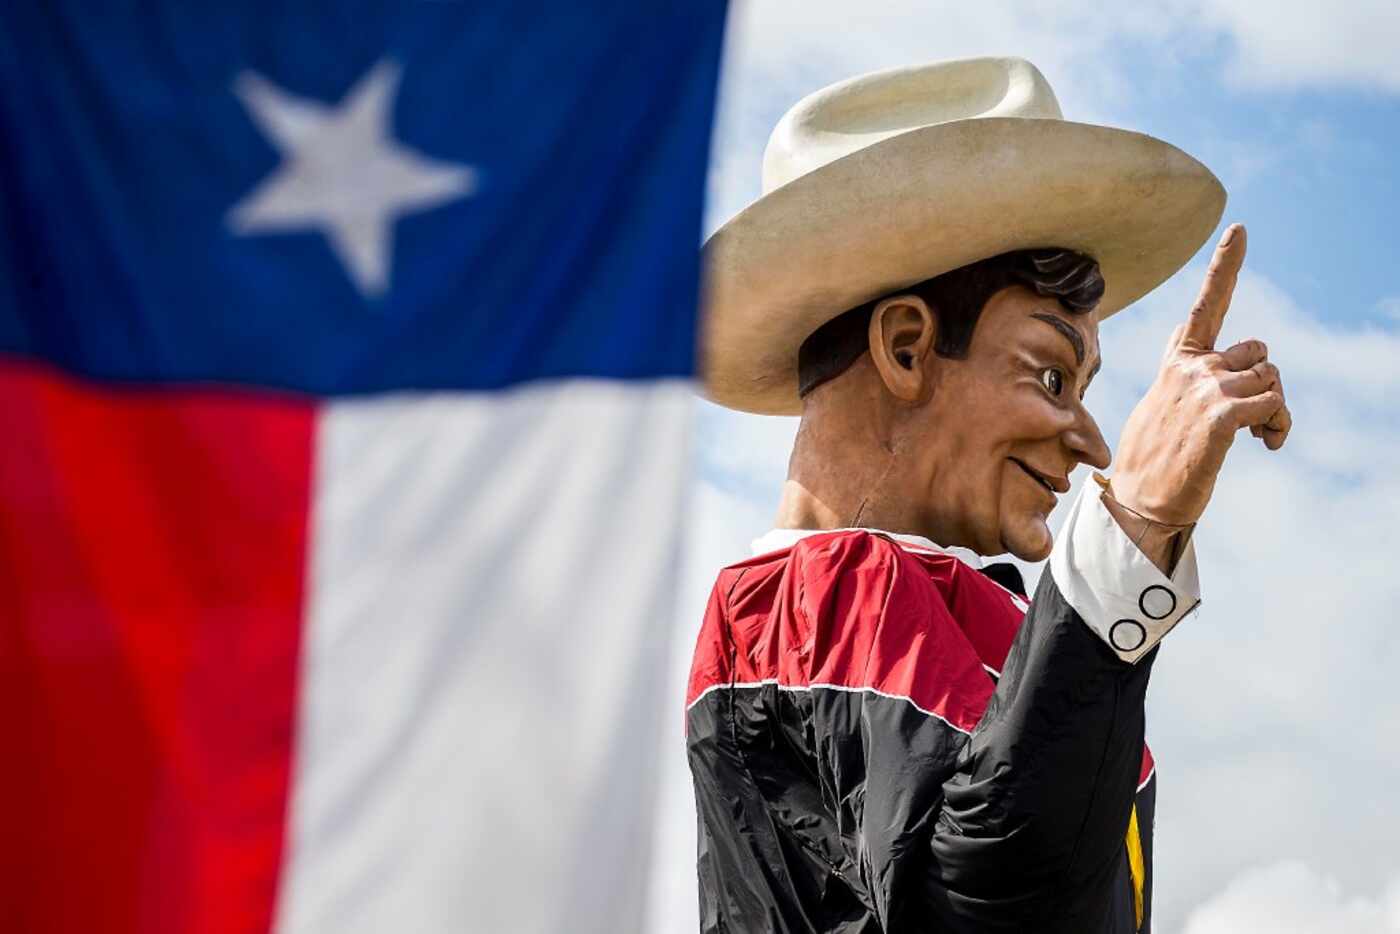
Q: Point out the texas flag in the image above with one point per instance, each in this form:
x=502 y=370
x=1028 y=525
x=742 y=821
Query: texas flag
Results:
x=344 y=362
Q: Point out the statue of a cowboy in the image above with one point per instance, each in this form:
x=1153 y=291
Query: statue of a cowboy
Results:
x=884 y=735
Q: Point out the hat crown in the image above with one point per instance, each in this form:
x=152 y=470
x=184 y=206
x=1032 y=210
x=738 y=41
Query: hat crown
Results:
x=848 y=116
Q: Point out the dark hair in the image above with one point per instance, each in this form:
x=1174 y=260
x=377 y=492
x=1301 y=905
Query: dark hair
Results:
x=957 y=298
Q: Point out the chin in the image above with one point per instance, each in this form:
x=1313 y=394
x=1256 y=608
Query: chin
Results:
x=1031 y=541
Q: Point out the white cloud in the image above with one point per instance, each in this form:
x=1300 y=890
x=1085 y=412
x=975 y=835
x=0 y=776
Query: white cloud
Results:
x=779 y=50
x=1270 y=712
x=1288 y=897
x=745 y=453
x=1296 y=43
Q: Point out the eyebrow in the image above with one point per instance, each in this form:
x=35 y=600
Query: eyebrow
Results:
x=1070 y=334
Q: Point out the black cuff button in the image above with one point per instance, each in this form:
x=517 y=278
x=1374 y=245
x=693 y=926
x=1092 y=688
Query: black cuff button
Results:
x=1127 y=635
x=1157 y=602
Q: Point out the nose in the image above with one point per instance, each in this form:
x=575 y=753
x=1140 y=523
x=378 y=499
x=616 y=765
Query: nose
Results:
x=1086 y=442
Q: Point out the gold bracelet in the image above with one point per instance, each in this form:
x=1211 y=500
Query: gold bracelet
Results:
x=1107 y=490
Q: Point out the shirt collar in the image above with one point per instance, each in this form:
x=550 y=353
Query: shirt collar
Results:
x=778 y=539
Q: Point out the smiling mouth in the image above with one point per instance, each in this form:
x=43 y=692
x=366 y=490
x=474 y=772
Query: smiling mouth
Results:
x=1039 y=477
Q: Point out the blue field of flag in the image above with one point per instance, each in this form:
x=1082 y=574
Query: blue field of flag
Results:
x=338 y=200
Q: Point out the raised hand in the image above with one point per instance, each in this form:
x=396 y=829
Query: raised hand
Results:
x=1176 y=439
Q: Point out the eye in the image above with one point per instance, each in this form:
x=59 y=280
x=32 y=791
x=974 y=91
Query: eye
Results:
x=1053 y=380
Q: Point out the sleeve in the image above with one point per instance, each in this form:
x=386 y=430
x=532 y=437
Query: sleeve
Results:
x=1114 y=588
x=1031 y=826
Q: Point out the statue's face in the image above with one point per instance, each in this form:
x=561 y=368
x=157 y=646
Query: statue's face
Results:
x=1006 y=425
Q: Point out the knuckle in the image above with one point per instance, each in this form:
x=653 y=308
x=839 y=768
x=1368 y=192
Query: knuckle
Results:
x=1220 y=419
x=1203 y=366
x=1206 y=394
x=1180 y=367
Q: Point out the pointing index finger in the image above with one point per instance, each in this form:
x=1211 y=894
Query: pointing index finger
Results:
x=1207 y=315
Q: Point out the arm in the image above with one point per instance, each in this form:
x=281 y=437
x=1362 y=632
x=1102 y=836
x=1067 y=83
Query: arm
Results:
x=984 y=807
x=1031 y=826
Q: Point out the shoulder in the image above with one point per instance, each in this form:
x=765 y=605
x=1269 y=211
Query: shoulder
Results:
x=764 y=613
x=852 y=610
x=882 y=616
x=740 y=617
x=879 y=573
x=815 y=565
x=829 y=555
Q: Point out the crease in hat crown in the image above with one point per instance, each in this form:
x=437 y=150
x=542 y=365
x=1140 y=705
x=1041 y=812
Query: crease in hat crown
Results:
x=848 y=116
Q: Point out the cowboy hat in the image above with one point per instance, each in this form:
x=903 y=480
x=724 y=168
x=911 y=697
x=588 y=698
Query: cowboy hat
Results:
x=891 y=178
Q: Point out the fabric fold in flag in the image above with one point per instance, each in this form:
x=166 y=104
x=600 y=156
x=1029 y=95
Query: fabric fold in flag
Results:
x=344 y=376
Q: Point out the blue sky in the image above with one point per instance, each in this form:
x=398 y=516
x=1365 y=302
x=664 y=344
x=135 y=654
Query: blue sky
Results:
x=1272 y=713
x=1312 y=172
x=1308 y=158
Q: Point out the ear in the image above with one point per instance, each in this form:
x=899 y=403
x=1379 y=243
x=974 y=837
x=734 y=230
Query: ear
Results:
x=902 y=333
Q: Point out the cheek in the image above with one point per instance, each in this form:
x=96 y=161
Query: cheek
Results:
x=1016 y=496
x=1016 y=414
x=1036 y=417
x=1021 y=500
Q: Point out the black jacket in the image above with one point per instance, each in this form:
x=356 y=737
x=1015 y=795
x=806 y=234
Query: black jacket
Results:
x=884 y=739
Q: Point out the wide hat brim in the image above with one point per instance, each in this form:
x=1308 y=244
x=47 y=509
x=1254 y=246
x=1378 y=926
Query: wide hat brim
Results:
x=926 y=202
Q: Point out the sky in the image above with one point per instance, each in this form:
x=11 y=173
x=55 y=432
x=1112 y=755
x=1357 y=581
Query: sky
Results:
x=1274 y=712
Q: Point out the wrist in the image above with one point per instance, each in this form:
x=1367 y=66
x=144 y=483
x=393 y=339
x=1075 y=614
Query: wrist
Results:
x=1141 y=499
x=1124 y=596
x=1160 y=542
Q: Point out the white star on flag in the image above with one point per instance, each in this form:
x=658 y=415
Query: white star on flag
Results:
x=342 y=171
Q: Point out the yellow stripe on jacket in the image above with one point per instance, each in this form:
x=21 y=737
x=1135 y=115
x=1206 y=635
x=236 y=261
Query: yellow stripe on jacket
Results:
x=1137 y=865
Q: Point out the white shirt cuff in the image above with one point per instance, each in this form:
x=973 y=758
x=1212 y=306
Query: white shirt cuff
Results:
x=1120 y=594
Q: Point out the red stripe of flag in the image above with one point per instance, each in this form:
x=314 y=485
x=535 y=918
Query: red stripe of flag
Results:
x=152 y=549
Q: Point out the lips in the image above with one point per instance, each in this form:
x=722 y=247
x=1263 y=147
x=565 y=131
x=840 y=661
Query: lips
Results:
x=1053 y=484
